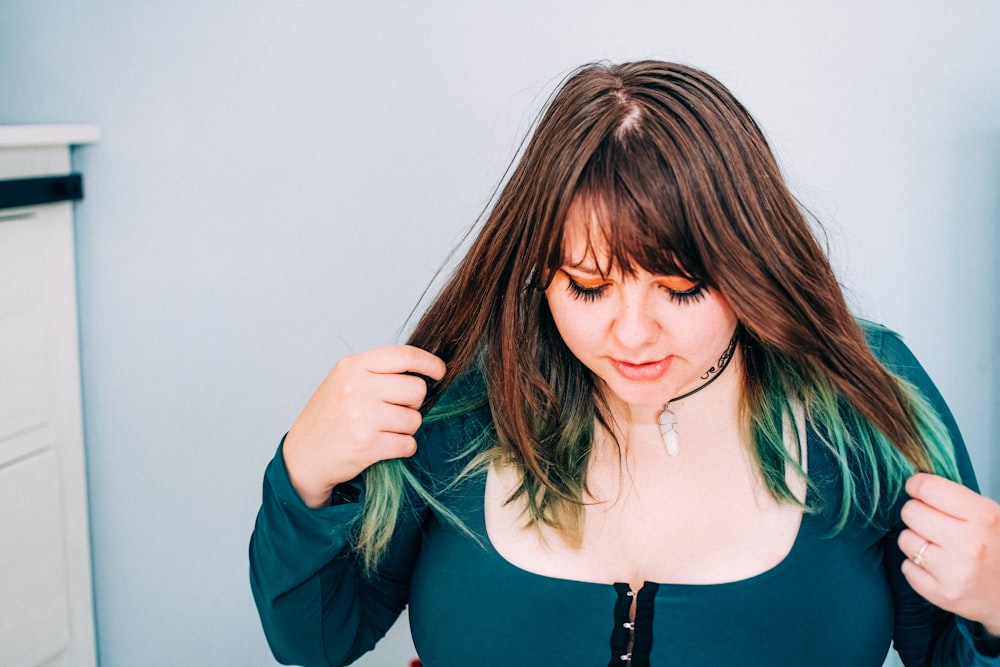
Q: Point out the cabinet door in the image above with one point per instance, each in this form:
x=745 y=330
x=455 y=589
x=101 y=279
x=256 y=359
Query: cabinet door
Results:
x=46 y=613
x=34 y=607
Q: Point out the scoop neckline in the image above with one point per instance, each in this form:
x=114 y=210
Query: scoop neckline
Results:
x=805 y=522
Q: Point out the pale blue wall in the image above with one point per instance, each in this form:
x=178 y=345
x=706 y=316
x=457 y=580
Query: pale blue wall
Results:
x=277 y=181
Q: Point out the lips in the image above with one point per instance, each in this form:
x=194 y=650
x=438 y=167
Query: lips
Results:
x=644 y=372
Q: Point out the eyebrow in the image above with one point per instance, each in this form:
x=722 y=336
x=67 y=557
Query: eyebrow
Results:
x=585 y=266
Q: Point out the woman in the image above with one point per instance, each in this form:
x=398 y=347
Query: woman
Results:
x=638 y=426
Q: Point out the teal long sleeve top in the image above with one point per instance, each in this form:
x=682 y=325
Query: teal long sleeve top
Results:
x=837 y=599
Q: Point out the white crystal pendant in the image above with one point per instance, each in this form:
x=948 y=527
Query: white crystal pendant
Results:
x=668 y=430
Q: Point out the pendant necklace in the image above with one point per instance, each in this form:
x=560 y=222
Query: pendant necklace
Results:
x=668 y=420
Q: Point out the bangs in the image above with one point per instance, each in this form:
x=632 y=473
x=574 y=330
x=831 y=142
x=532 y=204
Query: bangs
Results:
x=629 y=203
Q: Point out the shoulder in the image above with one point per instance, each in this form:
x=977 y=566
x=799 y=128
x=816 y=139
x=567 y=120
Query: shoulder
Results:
x=888 y=347
x=890 y=350
x=881 y=339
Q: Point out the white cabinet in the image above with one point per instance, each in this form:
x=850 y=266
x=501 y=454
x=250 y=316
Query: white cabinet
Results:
x=46 y=602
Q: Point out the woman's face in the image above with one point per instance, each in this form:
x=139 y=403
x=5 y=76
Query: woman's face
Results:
x=649 y=338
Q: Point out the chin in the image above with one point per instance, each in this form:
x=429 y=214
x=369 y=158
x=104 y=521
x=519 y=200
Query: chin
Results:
x=636 y=397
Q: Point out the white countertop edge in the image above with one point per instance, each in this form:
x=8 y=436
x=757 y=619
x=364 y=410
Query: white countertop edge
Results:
x=12 y=136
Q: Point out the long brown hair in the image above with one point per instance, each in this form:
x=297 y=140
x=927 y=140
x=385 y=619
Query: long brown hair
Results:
x=686 y=151
x=685 y=183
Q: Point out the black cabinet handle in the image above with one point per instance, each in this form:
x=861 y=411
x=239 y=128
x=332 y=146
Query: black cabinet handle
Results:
x=42 y=190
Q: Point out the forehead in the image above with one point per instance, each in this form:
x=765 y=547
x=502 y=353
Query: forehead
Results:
x=584 y=242
x=607 y=240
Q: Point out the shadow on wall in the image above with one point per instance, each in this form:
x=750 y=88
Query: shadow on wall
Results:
x=992 y=291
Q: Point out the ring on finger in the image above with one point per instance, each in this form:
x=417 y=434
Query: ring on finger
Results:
x=919 y=558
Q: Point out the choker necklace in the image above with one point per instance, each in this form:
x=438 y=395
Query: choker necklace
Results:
x=668 y=420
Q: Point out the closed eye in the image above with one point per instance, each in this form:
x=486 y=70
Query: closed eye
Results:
x=693 y=294
x=683 y=290
x=584 y=292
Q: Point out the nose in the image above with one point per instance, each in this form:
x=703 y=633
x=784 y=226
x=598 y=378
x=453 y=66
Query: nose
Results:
x=635 y=325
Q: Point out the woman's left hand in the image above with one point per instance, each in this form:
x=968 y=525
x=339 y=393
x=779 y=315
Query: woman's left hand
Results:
x=952 y=545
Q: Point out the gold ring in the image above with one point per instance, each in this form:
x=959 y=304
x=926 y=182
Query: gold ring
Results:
x=918 y=558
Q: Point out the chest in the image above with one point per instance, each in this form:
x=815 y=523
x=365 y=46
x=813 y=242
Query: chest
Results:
x=826 y=602
x=654 y=518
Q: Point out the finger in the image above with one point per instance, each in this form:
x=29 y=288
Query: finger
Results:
x=917 y=548
x=394 y=446
x=405 y=359
x=406 y=390
x=943 y=494
x=397 y=419
x=933 y=525
x=922 y=582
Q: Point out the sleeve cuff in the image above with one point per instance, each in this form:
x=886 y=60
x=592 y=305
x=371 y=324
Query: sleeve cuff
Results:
x=293 y=541
x=986 y=647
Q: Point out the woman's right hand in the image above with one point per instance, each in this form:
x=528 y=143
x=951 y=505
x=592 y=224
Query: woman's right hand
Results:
x=365 y=410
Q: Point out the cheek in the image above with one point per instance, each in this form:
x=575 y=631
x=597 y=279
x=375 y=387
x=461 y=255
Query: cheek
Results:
x=574 y=321
x=724 y=313
x=715 y=318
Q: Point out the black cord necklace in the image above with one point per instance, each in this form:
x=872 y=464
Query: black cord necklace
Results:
x=668 y=420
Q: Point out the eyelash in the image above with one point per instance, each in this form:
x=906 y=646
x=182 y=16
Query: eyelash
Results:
x=588 y=294
x=591 y=294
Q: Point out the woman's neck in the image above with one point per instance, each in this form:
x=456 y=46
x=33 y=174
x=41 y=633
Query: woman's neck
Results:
x=718 y=400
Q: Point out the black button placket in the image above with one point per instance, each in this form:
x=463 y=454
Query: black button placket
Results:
x=621 y=633
x=632 y=641
x=642 y=639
